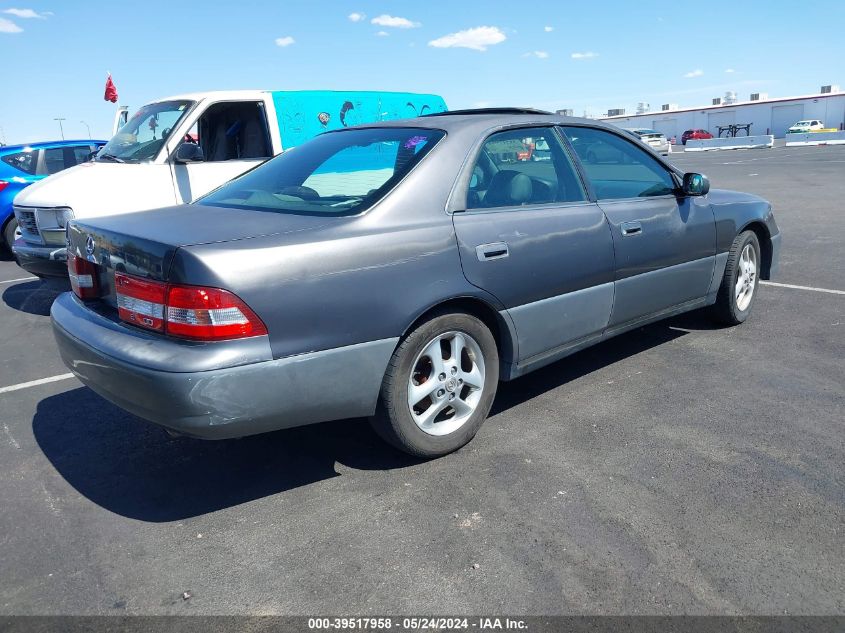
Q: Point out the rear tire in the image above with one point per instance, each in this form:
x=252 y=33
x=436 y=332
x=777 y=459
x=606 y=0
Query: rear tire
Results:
x=739 y=284
x=439 y=386
x=9 y=234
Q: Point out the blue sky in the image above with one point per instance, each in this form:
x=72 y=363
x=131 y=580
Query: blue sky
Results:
x=587 y=55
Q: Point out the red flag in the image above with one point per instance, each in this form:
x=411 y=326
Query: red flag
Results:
x=111 y=91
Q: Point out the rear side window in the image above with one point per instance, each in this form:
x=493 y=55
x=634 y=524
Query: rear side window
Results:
x=25 y=161
x=54 y=160
x=616 y=168
x=338 y=173
x=521 y=167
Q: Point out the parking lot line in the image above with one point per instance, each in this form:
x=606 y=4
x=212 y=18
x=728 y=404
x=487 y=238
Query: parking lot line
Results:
x=794 y=287
x=35 y=383
x=11 y=281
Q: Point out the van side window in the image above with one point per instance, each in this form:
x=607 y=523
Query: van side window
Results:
x=233 y=131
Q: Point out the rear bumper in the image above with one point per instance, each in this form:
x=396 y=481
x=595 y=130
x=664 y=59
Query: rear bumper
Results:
x=225 y=402
x=44 y=261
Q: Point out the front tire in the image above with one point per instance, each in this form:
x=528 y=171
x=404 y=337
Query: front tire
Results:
x=10 y=233
x=739 y=283
x=439 y=386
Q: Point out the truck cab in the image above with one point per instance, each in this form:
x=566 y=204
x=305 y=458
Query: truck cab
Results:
x=177 y=149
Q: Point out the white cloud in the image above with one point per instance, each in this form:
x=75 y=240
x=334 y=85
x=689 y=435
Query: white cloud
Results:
x=287 y=40
x=585 y=55
x=537 y=54
x=729 y=70
x=548 y=29
x=382 y=33
x=7 y=26
x=27 y=14
x=478 y=38
x=356 y=17
x=694 y=73
x=394 y=22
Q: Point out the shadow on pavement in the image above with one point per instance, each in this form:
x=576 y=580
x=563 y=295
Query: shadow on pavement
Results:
x=133 y=468
x=35 y=297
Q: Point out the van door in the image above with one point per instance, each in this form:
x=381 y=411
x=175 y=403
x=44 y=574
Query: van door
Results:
x=234 y=137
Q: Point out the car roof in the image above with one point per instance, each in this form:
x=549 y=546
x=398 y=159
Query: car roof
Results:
x=481 y=120
x=6 y=149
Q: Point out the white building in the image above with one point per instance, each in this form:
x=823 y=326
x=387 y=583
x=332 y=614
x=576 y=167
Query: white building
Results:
x=766 y=116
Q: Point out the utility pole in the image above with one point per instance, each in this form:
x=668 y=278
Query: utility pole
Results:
x=61 y=129
x=89 y=129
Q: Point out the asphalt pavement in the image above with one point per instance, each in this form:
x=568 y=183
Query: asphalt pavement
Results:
x=679 y=468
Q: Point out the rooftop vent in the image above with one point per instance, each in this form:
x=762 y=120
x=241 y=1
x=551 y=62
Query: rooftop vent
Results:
x=643 y=107
x=730 y=97
x=669 y=107
x=717 y=101
x=566 y=112
x=826 y=90
x=616 y=112
x=759 y=96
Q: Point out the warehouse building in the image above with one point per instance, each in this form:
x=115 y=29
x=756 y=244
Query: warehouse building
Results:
x=766 y=116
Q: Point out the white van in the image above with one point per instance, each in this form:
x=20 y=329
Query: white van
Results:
x=177 y=149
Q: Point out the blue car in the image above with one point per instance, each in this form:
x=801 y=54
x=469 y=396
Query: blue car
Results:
x=22 y=165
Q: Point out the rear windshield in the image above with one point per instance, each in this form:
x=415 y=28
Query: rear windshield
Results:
x=338 y=173
x=25 y=161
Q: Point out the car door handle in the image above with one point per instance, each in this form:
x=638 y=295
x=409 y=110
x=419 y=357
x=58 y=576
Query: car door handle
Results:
x=494 y=250
x=631 y=228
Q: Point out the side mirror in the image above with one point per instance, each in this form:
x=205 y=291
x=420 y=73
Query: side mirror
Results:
x=695 y=184
x=189 y=153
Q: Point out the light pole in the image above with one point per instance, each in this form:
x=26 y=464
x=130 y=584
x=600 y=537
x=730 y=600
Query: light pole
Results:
x=61 y=129
x=89 y=129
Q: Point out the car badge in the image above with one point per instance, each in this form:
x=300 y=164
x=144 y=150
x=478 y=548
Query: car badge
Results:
x=89 y=248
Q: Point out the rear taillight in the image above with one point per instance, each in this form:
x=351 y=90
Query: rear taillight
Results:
x=192 y=312
x=140 y=301
x=83 y=277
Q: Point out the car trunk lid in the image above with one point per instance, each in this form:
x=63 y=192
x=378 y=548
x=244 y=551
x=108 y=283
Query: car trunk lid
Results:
x=144 y=244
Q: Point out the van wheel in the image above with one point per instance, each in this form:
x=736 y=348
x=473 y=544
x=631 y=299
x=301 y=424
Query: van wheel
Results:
x=739 y=283
x=10 y=234
x=439 y=386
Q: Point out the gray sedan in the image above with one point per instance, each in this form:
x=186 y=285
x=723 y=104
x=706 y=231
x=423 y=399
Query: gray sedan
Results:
x=400 y=271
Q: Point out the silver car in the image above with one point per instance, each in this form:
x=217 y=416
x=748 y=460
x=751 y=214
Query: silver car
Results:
x=654 y=139
x=399 y=271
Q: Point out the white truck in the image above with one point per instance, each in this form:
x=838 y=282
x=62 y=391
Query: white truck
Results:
x=177 y=149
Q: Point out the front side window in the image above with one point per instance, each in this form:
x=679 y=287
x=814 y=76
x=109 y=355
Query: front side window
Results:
x=522 y=167
x=337 y=173
x=81 y=153
x=142 y=137
x=232 y=131
x=616 y=168
x=25 y=161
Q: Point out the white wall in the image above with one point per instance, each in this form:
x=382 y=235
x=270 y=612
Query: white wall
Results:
x=829 y=109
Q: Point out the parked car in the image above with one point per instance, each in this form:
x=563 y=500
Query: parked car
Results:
x=808 y=125
x=399 y=271
x=697 y=134
x=177 y=149
x=654 y=139
x=22 y=165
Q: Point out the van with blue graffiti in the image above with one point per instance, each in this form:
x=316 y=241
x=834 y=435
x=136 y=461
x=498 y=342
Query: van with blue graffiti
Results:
x=177 y=149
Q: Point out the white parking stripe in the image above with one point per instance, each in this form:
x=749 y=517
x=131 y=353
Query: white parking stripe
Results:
x=11 y=281
x=35 y=383
x=827 y=290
